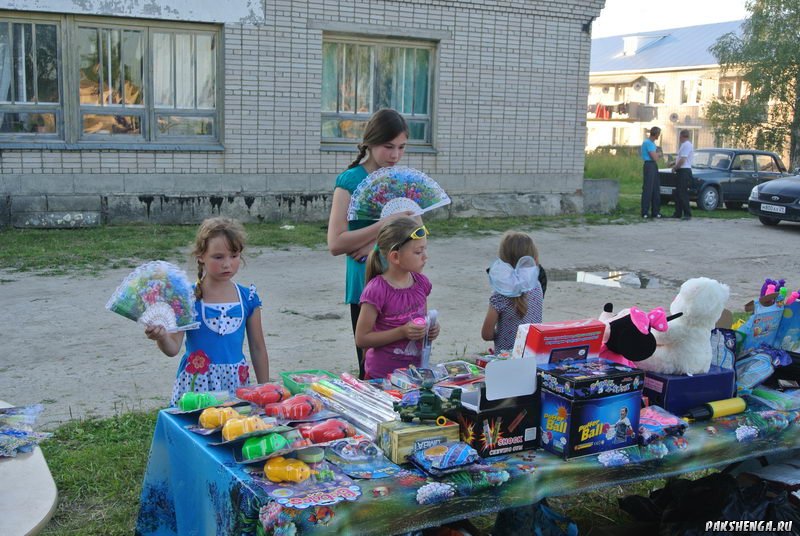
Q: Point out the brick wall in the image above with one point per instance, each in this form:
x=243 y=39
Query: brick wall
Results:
x=509 y=117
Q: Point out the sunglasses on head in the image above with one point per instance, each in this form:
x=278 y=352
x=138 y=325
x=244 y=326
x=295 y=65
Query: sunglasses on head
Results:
x=416 y=234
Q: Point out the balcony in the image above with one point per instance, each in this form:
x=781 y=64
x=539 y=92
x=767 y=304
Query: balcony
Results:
x=632 y=112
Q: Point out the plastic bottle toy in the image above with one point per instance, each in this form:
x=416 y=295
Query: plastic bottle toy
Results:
x=327 y=430
x=215 y=417
x=297 y=407
x=192 y=401
x=268 y=393
x=280 y=469
x=258 y=447
x=236 y=427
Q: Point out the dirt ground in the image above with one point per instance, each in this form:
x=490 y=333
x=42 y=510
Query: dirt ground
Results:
x=63 y=349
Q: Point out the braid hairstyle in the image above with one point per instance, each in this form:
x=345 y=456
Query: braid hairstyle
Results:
x=384 y=125
x=230 y=229
x=513 y=246
x=392 y=233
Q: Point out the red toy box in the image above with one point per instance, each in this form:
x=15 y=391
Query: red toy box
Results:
x=551 y=342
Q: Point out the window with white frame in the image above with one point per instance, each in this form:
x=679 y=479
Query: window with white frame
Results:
x=361 y=76
x=691 y=91
x=133 y=82
x=655 y=92
x=30 y=98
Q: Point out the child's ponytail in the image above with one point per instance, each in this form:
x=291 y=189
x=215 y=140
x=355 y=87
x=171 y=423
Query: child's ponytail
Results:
x=374 y=263
x=362 y=152
x=198 y=288
x=521 y=304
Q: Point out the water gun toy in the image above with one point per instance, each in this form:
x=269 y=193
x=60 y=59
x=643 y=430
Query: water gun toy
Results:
x=268 y=393
x=295 y=408
x=327 y=430
x=215 y=417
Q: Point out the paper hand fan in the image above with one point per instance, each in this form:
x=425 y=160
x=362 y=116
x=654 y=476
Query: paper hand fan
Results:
x=395 y=189
x=156 y=293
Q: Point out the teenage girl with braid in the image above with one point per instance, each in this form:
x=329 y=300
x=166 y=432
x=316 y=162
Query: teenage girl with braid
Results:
x=384 y=143
x=213 y=360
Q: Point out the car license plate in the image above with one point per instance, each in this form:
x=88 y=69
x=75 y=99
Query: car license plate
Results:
x=666 y=190
x=773 y=208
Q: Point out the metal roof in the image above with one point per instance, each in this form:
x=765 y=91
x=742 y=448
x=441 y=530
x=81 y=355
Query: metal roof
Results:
x=661 y=49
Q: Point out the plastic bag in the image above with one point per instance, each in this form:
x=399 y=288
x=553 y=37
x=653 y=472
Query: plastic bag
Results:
x=752 y=370
x=538 y=519
x=683 y=507
x=723 y=347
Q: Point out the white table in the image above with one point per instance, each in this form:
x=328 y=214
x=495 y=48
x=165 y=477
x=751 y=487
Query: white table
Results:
x=28 y=494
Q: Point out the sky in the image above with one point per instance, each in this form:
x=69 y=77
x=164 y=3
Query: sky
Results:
x=628 y=16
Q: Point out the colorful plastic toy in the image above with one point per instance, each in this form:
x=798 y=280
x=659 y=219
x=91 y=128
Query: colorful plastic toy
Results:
x=297 y=407
x=268 y=393
x=215 y=417
x=192 y=401
x=280 y=469
x=236 y=427
x=258 y=447
x=327 y=430
x=425 y=404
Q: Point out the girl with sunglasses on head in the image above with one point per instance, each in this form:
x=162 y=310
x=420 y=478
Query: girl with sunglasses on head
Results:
x=395 y=296
x=384 y=143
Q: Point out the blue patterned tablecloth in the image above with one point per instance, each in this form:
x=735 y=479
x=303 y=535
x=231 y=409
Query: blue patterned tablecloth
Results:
x=192 y=488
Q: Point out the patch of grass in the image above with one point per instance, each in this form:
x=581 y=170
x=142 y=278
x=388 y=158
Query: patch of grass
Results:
x=626 y=169
x=60 y=251
x=98 y=466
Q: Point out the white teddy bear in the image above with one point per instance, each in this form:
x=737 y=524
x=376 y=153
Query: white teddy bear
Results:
x=686 y=347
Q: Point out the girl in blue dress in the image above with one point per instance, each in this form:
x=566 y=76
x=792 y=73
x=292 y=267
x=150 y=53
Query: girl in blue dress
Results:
x=213 y=360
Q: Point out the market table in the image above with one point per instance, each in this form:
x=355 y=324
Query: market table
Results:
x=193 y=488
x=28 y=494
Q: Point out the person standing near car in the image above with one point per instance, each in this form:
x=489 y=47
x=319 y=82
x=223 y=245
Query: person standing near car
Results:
x=683 y=169
x=651 y=187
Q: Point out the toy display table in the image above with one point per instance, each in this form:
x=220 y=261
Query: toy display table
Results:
x=192 y=488
x=28 y=494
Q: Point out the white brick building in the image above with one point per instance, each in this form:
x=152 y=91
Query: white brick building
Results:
x=171 y=111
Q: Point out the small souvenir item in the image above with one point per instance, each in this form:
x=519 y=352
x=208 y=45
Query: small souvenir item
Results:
x=236 y=427
x=216 y=417
x=267 y=393
x=280 y=469
x=390 y=190
x=295 y=408
x=191 y=401
x=156 y=293
x=445 y=458
x=327 y=430
x=258 y=447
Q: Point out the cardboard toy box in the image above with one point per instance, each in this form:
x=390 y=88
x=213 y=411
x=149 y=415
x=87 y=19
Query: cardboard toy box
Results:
x=501 y=416
x=550 y=342
x=589 y=407
x=399 y=439
x=677 y=394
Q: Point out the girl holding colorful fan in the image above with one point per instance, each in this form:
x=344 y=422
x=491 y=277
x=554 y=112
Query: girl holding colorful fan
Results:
x=213 y=360
x=391 y=325
x=518 y=292
x=383 y=145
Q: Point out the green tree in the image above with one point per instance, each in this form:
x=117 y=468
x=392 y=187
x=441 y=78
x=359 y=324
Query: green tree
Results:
x=767 y=56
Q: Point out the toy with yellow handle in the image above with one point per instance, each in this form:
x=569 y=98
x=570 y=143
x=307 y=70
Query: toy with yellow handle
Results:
x=236 y=427
x=280 y=469
x=215 y=417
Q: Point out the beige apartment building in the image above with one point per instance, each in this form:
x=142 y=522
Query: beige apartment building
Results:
x=663 y=78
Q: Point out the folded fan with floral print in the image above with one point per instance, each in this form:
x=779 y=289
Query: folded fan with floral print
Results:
x=156 y=293
x=389 y=190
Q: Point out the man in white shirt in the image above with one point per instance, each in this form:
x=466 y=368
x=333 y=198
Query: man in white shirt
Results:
x=683 y=168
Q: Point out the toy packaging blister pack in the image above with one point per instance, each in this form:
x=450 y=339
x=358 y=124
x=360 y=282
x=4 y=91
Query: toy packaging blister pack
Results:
x=195 y=402
x=445 y=458
x=360 y=458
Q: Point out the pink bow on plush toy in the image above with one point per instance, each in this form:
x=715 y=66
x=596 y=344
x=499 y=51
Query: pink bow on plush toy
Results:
x=644 y=322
